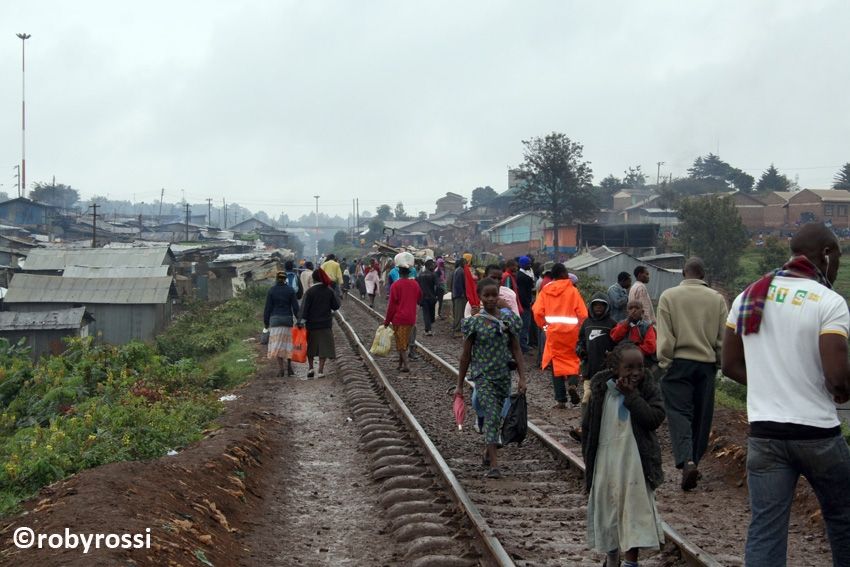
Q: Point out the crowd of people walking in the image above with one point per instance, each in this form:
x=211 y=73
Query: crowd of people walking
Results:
x=629 y=363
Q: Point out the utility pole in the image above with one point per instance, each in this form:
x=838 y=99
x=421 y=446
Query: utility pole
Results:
x=317 y=228
x=224 y=205
x=161 y=195
x=209 y=212
x=357 y=231
x=141 y=226
x=658 y=173
x=187 y=222
x=17 y=176
x=94 y=225
x=24 y=37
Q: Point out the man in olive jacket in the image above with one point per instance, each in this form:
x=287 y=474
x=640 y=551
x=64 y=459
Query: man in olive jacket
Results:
x=690 y=329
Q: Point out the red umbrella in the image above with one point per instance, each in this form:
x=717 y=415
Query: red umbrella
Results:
x=460 y=411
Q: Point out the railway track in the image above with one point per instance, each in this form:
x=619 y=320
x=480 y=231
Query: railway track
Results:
x=534 y=515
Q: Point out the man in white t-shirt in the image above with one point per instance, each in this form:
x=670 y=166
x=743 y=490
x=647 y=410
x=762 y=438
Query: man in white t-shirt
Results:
x=786 y=339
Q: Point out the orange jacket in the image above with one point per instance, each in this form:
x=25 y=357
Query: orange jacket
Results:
x=560 y=310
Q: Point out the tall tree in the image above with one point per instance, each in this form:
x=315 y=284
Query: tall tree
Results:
x=713 y=169
x=711 y=228
x=399 y=212
x=422 y=215
x=772 y=180
x=483 y=195
x=57 y=194
x=634 y=177
x=842 y=178
x=384 y=212
x=557 y=181
x=376 y=228
x=340 y=238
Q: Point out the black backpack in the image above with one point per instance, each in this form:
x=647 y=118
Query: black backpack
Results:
x=515 y=426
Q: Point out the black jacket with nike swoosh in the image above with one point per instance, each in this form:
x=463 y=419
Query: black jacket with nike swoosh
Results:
x=594 y=338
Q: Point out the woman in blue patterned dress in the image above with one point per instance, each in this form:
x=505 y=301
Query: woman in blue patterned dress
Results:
x=491 y=343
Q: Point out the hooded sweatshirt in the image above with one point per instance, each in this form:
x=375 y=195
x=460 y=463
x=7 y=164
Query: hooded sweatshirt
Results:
x=594 y=337
x=560 y=310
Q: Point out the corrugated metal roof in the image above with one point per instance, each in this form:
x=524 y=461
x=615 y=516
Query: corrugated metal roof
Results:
x=60 y=258
x=113 y=272
x=70 y=318
x=591 y=258
x=29 y=288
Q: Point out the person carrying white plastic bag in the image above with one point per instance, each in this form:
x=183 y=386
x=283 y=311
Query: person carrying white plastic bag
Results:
x=383 y=342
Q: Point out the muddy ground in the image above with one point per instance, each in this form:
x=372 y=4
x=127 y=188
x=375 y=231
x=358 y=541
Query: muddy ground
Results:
x=278 y=482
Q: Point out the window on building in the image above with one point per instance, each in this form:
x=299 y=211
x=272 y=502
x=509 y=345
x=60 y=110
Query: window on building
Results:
x=842 y=210
x=827 y=210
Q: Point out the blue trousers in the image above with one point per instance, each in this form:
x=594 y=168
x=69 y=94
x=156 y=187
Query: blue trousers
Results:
x=773 y=467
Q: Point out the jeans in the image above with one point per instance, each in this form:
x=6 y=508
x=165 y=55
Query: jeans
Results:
x=526 y=324
x=773 y=467
x=688 y=388
x=428 y=313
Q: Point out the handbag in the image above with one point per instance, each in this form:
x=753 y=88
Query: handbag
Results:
x=264 y=337
x=299 y=345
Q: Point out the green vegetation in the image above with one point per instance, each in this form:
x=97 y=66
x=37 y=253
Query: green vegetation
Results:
x=730 y=394
x=98 y=404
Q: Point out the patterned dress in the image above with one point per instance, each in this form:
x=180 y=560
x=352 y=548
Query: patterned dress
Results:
x=491 y=352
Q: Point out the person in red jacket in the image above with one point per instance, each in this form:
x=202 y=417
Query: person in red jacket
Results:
x=639 y=331
x=401 y=313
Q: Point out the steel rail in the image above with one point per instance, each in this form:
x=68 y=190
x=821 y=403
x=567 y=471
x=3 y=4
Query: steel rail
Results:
x=692 y=553
x=492 y=545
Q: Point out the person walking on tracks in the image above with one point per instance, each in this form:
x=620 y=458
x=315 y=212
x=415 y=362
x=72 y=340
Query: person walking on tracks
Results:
x=427 y=280
x=786 y=339
x=639 y=292
x=279 y=316
x=491 y=343
x=622 y=458
x=320 y=301
x=458 y=295
x=560 y=310
x=405 y=296
x=373 y=282
x=691 y=322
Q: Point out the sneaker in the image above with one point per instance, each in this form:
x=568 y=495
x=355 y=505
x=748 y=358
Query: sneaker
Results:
x=310 y=373
x=690 y=475
x=429 y=333
x=476 y=427
x=494 y=473
x=320 y=375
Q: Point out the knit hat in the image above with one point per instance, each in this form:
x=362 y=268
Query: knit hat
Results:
x=524 y=262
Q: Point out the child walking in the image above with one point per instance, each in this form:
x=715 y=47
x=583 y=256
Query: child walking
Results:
x=623 y=458
x=491 y=342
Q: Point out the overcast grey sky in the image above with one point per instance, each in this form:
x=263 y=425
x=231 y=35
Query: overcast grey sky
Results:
x=267 y=103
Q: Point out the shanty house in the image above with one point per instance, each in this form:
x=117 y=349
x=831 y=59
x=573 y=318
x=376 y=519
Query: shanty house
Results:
x=124 y=309
x=44 y=331
x=451 y=202
x=54 y=261
x=251 y=225
x=519 y=234
x=24 y=212
x=606 y=264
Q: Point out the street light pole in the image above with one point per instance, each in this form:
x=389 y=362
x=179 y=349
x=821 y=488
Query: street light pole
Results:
x=24 y=37
x=658 y=174
x=317 y=229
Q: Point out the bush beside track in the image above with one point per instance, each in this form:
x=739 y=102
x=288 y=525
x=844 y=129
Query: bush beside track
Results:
x=98 y=404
